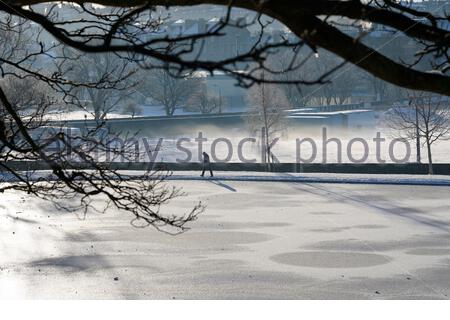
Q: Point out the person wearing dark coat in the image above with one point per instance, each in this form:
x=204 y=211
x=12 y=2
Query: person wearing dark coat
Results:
x=206 y=165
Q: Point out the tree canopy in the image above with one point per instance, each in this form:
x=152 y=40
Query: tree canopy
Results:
x=314 y=22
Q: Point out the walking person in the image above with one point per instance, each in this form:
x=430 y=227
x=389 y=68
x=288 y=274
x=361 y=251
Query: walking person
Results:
x=206 y=164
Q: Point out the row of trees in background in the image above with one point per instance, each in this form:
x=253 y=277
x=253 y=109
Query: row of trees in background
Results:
x=348 y=85
x=135 y=86
x=173 y=93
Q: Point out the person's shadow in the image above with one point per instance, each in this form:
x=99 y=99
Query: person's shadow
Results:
x=223 y=185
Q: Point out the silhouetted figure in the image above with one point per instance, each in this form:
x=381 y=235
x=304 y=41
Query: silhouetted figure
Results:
x=206 y=164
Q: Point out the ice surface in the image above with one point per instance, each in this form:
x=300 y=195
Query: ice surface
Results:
x=255 y=240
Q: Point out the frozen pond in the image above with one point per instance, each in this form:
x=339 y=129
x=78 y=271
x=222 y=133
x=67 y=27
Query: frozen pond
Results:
x=255 y=240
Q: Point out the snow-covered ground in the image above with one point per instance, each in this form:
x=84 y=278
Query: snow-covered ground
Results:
x=79 y=115
x=248 y=176
x=147 y=111
x=339 y=178
x=255 y=240
x=286 y=149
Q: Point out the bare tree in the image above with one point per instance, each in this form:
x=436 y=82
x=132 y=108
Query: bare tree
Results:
x=31 y=142
x=299 y=96
x=98 y=68
x=32 y=138
x=315 y=64
x=335 y=92
x=133 y=109
x=427 y=117
x=267 y=115
x=382 y=90
x=26 y=94
x=205 y=102
x=377 y=86
x=169 y=91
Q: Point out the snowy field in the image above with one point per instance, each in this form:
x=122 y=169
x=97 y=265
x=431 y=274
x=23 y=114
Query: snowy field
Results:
x=285 y=150
x=305 y=146
x=280 y=240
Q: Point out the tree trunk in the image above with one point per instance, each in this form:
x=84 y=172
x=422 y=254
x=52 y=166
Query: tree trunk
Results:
x=168 y=110
x=417 y=136
x=266 y=126
x=430 y=159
